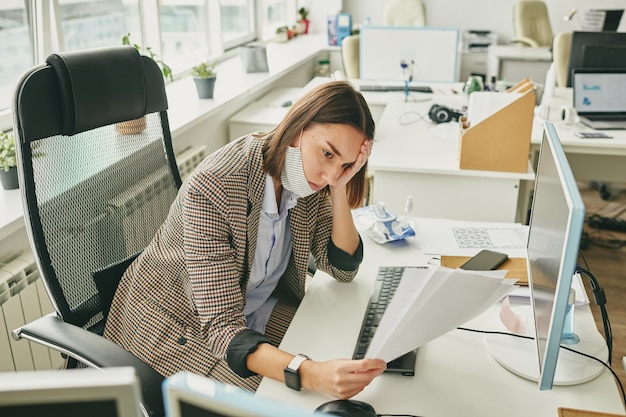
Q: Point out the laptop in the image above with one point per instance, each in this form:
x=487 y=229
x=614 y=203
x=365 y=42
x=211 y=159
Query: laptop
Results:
x=600 y=97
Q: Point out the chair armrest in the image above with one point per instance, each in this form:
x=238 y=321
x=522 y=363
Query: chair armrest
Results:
x=528 y=41
x=94 y=351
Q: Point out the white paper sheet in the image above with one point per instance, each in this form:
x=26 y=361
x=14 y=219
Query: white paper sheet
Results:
x=430 y=302
x=463 y=238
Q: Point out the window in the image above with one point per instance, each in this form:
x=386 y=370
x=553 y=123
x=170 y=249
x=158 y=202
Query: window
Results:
x=180 y=32
x=237 y=22
x=96 y=23
x=185 y=32
x=277 y=13
x=16 y=48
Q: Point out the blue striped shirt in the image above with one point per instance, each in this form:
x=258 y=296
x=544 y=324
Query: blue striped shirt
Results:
x=273 y=250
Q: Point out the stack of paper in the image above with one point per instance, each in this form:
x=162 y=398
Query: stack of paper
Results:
x=430 y=302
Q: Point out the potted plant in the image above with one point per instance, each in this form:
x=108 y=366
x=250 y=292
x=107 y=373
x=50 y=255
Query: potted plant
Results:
x=303 y=22
x=133 y=127
x=8 y=161
x=167 y=70
x=204 y=77
x=282 y=34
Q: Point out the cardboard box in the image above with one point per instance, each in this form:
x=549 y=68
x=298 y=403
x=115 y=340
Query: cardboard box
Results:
x=499 y=141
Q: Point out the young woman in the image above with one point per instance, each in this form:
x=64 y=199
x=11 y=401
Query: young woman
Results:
x=216 y=289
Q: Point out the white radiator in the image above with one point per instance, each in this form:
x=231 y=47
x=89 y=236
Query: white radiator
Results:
x=23 y=297
x=188 y=158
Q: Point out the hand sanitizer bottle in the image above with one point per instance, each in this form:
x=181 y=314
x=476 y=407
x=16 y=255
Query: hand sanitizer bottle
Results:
x=407 y=215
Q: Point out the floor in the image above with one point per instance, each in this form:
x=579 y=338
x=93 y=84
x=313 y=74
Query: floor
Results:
x=605 y=255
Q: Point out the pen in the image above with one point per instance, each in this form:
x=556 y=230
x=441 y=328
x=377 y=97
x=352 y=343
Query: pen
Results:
x=454 y=91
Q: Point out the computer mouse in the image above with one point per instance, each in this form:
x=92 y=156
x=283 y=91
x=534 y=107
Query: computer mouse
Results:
x=347 y=408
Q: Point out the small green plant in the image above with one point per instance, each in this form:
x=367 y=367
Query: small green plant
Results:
x=303 y=12
x=167 y=71
x=205 y=69
x=7 y=150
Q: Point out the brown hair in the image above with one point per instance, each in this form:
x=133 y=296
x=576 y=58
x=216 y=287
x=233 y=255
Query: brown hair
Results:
x=333 y=102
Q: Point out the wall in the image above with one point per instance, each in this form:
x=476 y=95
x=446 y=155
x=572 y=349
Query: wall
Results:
x=480 y=14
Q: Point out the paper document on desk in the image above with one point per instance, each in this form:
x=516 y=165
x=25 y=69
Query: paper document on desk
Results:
x=463 y=238
x=483 y=104
x=430 y=302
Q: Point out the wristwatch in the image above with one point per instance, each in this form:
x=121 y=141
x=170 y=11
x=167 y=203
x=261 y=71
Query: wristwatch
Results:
x=292 y=375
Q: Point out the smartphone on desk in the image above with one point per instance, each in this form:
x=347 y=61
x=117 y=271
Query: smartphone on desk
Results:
x=485 y=260
x=592 y=135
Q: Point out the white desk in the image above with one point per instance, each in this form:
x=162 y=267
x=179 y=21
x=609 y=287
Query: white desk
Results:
x=455 y=373
x=514 y=63
x=590 y=159
x=411 y=159
x=264 y=114
x=414 y=159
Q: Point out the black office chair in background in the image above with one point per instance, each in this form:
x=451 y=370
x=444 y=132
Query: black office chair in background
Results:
x=98 y=175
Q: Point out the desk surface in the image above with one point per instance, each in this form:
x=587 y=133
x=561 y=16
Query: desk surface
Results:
x=590 y=159
x=571 y=143
x=414 y=156
x=408 y=141
x=455 y=373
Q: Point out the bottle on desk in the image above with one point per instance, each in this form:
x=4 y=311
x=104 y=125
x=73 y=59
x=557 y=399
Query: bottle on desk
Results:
x=407 y=215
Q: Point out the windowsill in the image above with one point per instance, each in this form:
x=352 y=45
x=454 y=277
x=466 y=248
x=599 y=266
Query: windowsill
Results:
x=186 y=110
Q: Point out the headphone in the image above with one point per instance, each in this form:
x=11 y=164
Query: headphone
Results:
x=443 y=114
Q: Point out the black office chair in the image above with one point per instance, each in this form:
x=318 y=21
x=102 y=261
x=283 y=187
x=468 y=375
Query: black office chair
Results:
x=98 y=175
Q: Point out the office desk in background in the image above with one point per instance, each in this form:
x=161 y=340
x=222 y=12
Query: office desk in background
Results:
x=514 y=63
x=590 y=159
x=413 y=156
x=455 y=374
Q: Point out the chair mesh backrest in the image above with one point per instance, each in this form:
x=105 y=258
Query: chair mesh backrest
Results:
x=94 y=198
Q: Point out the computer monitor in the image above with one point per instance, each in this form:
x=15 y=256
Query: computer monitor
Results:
x=384 y=49
x=189 y=395
x=581 y=42
x=611 y=19
x=604 y=56
x=113 y=392
x=555 y=228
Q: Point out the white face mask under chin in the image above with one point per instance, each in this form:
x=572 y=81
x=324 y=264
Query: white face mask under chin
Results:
x=293 y=177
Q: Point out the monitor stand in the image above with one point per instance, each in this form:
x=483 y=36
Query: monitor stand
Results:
x=520 y=355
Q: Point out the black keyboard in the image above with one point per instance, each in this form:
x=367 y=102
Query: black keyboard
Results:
x=385 y=88
x=387 y=281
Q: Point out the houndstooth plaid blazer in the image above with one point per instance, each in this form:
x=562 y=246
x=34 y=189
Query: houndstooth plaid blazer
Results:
x=181 y=302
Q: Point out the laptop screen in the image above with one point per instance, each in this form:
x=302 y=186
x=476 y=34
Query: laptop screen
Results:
x=599 y=91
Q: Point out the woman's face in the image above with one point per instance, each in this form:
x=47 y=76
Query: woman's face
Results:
x=327 y=150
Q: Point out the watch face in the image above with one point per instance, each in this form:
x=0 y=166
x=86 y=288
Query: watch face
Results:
x=292 y=379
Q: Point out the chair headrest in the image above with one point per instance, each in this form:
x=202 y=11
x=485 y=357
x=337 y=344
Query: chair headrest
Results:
x=99 y=87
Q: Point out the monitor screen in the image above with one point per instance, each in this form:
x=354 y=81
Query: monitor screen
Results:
x=113 y=392
x=383 y=49
x=189 y=395
x=606 y=40
x=555 y=227
x=603 y=56
x=599 y=90
x=611 y=19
